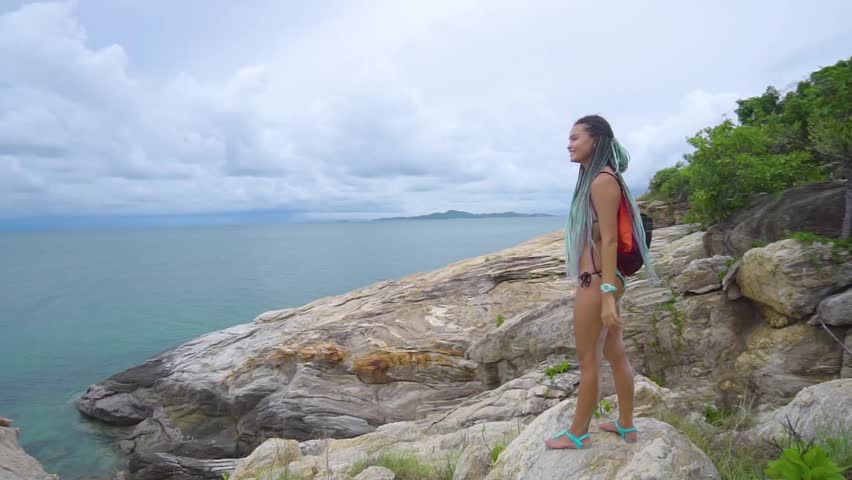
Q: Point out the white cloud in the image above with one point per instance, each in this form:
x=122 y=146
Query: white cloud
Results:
x=386 y=109
x=662 y=143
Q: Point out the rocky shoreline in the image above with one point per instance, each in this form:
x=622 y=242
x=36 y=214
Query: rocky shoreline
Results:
x=425 y=362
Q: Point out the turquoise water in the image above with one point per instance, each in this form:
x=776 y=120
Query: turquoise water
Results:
x=79 y=306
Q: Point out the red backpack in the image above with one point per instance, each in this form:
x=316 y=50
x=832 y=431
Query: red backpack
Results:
x=629 y=254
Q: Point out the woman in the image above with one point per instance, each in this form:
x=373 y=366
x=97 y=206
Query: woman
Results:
x=591 y=240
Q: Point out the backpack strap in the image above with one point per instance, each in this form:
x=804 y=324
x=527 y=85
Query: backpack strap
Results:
x=593 y=203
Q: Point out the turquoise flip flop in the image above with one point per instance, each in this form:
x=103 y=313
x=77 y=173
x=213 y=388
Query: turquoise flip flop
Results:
x=623 y=431
x=578 y=441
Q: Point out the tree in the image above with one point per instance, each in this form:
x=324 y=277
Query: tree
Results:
x=756 y=111
x=830 y=128
x=733 y=163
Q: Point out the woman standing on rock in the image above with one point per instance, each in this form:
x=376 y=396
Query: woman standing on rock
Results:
x=605 y=241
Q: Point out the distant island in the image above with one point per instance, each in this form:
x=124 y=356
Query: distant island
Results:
x=459 y=214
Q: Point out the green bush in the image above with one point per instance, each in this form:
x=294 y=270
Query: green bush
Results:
x=804 y=462
x=670 y=184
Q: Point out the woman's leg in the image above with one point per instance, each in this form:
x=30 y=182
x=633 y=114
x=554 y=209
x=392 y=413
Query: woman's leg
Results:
x=622 y=374
x=588 y=337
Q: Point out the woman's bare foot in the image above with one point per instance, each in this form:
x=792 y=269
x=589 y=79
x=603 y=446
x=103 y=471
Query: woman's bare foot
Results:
x=562 y=441
x=629 y=437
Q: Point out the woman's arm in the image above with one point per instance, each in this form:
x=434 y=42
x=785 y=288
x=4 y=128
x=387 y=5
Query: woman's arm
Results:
x=606 y=195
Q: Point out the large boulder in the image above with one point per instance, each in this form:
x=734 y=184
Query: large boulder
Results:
x=113 y=406
x=512 y=349
x=820 y=410
x=474 y=462
x=530 y=394
x=157 y=466
x=662 y=213
x=15 y=463
x=703 y=275
x=159 y=434
x=275 y=451
x=690 y=343
x=816 y=207
x=835 y=310
x=661 y=452
x=779 y=362
x=673 y=248
x=790 y=278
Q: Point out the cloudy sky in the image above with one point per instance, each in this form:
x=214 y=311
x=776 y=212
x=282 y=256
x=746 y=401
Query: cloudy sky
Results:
x=355 y=110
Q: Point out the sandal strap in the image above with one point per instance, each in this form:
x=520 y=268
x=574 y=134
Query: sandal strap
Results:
x=622 y=431
x=578 y=441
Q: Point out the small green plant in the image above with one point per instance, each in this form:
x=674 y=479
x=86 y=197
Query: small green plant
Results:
x=496 y=451
x=727 y=418
x=499 y=320
x=677 y=321
x=657 y=377
x=804 y=462
x=840 y=247
x=562 y=367
x=604 y=408
x=758 y=244
x=226 y=476
x=655 y=332
x=712 y=415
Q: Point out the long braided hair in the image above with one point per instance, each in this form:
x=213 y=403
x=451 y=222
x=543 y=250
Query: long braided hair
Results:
x=578 y=230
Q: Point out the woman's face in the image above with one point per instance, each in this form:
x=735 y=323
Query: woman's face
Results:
x=581 y=145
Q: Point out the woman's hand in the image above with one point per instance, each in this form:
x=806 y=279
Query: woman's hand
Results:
x=609 y=314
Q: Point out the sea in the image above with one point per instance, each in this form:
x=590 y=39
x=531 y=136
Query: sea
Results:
x=77 y=306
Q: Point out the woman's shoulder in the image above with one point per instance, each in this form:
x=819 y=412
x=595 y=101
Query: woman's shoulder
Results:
x=605 y=177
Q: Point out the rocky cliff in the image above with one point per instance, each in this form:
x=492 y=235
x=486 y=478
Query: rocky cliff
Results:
x=426 y=361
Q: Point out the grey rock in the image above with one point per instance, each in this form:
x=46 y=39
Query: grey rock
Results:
x=835 y=310
x=158 y=466
x=376 y=473
x=15 y=463
x=703 y=275
x=790 y=278
x=816 y=207
x=117 y=408
x=816 y=411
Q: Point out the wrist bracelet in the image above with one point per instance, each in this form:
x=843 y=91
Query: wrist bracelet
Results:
x=608 y=288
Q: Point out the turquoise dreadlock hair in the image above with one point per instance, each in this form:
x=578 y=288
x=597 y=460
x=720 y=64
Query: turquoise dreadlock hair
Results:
x=578 y=230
